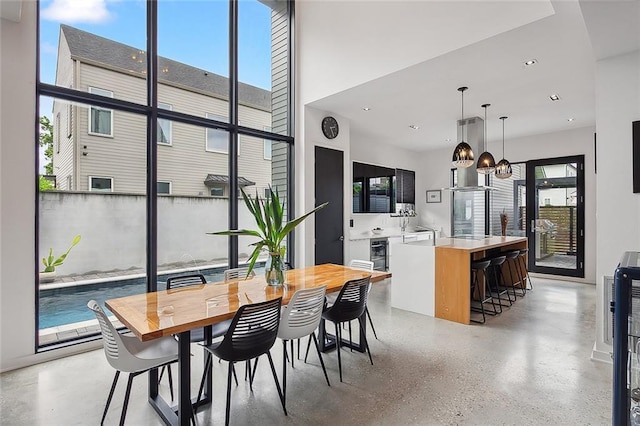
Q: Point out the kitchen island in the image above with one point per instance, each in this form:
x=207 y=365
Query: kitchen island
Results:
x=434 y=280
x=453 y=257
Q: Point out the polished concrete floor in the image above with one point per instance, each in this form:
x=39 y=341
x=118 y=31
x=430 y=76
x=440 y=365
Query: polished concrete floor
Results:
x=528 y=366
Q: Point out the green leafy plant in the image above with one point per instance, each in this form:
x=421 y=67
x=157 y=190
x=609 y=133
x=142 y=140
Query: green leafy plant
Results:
x=50 y=262
x=272 y=229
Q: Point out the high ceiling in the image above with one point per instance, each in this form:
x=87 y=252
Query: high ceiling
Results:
x=493 y=68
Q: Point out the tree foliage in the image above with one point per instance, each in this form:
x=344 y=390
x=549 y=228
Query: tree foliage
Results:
x=46 y=142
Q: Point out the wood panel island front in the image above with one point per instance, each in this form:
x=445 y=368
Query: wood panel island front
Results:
x=453 y=257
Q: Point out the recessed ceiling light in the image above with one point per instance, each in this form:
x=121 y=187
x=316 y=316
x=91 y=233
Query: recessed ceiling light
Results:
x=569 y=119
x=366 y=109
x=554 y=97
x=414 y=127
x=448 y=140
x=531 y=62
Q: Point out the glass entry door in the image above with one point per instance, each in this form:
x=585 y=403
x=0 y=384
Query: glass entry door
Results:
x=555 y=215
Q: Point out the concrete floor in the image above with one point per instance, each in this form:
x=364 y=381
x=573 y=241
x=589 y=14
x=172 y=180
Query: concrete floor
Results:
x=528 y=366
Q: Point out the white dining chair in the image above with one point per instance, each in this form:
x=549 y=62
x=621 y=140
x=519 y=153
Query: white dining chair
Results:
x=238 y=273
x=130 y=355
x=299 y=319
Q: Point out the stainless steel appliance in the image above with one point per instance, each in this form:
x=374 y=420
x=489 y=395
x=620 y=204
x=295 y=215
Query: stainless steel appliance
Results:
x=379 y=252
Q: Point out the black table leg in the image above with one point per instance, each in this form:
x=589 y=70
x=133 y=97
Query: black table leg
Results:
x=328 y=341
x=184 y=378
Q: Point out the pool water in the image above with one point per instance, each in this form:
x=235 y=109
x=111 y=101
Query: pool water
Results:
x=69 y=304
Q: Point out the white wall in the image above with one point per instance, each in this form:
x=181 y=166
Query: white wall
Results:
x=559 y=144
x=311 y=137
x=113 y=230
x=17 y=188
x=618 y=208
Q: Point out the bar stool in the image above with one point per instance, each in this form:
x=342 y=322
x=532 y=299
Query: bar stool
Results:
x=476 y=267
x=495 y=267
x=513 y=257
x=522 y=260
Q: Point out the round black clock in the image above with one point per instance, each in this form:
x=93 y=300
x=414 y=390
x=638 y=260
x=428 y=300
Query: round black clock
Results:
x=330 y=127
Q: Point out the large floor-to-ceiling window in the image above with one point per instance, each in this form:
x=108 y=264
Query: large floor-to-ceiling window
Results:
x=153 y=117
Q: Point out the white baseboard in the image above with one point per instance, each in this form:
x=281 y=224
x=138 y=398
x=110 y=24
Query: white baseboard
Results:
x=601 y=356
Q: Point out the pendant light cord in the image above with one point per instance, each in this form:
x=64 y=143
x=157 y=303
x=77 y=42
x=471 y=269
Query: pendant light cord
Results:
x=503 y=118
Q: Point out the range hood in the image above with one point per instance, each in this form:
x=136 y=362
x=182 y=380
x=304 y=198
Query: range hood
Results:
x=473 y=130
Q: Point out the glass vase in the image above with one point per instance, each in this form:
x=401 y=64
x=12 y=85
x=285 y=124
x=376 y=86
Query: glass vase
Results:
x=274 y=268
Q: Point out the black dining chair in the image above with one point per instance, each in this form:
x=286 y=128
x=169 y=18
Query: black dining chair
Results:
x=350 y=305
x=252 y=333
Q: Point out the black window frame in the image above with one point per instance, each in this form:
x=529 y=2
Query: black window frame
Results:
x=152 y=113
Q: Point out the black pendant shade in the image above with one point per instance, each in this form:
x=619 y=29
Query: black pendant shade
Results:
x=463 y=154
x=486 y=163
x=503 y=168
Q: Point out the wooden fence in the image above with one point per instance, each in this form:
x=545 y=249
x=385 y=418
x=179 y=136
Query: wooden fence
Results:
x=564 y=239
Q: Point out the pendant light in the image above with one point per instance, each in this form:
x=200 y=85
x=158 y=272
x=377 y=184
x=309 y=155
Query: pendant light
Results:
x=463 y=154
x=503 y=168
x=486 y=162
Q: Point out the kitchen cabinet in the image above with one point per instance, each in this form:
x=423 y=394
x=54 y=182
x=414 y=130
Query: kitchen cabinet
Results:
x=405 y=186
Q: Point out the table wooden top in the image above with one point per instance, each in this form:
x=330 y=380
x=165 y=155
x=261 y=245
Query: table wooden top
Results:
x=480 y=244
x=163 y=313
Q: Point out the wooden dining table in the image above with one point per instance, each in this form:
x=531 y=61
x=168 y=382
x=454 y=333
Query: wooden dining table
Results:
x=178 y=311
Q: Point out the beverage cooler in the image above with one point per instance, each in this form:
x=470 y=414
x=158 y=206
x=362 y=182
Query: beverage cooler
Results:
x=626 y=341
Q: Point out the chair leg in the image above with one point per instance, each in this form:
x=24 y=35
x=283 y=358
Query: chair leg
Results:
x=324 y=370
x=292 y=354
x=298 y=349
x=226 y=417
x=126 y=399
x=170 y=380
x=364 y=337
x=113 y=388
x=284 y=373
x=275 y=378
x=338 y=338
x=371 y=322
x=255 y=366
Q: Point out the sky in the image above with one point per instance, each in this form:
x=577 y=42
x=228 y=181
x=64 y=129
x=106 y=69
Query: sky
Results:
x=195 y=32
x=192 y=32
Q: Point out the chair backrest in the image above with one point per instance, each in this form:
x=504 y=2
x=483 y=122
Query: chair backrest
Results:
x=114 y=348
x=252 y=332
x=236 y=273
x=352 y=300
x=361 y=264
x=303 y=313
x=185 y=281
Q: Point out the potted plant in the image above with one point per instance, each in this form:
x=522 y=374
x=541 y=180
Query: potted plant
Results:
x=50 y=262
x=272 y=230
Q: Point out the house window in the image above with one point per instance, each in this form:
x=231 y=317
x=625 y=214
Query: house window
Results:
x=164 y=188
x=217 y=191
x=102 y=184
x=164 y=126
x=267 y=193
x=217 y=140
x=101 y=119
x=69 y=119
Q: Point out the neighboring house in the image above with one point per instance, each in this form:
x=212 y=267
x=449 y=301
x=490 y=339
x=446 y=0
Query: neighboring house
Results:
x=97 y=149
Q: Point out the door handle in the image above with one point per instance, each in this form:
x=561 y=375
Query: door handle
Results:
x=341 y=238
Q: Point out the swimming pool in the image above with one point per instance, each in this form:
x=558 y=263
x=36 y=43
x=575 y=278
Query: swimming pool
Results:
x=68 y=305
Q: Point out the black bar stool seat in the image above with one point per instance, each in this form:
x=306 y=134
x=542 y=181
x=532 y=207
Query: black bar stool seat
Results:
x=477 y=267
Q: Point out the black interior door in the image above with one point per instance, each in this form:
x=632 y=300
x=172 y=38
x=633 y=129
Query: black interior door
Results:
x=329 y=186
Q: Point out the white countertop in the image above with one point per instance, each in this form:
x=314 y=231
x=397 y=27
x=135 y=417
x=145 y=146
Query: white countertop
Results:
x=386 y=233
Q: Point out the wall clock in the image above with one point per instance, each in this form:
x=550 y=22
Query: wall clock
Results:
x=330 y=127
